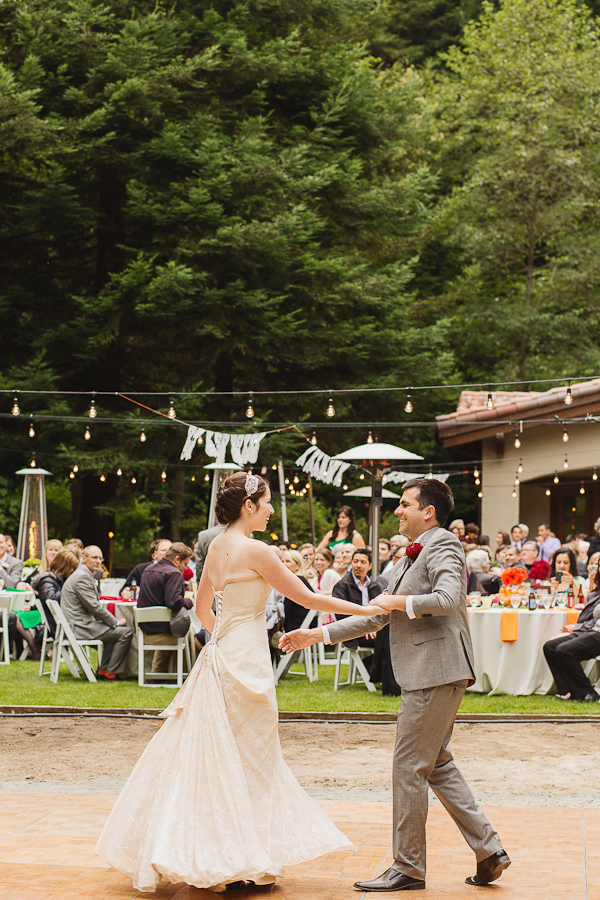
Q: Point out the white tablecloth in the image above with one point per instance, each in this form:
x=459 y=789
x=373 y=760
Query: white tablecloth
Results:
x=17 y=599
x=516 y=667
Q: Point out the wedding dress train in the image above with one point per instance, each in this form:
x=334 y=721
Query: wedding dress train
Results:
x=211 y=800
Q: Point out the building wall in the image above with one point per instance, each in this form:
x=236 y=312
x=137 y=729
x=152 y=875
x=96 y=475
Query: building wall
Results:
x=542 y=453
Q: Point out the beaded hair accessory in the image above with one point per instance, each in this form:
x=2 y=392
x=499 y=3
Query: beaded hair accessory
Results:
x=251 y=485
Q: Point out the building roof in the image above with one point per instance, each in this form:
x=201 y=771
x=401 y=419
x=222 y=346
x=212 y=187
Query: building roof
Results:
x=473 y=421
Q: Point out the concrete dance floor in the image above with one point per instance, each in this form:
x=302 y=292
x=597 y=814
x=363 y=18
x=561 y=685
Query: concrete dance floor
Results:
x=47 y=840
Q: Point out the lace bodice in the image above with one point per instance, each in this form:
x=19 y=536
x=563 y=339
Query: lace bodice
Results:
x=238 y=604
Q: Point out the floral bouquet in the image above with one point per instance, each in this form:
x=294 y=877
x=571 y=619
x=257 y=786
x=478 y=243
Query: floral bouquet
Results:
x=513 y=576
x=540 y=570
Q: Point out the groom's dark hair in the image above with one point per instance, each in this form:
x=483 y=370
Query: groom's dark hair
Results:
x=433 y=493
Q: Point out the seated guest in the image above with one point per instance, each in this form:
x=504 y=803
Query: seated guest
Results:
x=338 y=564
x=510 y=557
x=595 y=540
x=157 y=550
x=483 y=541
x=399 y=544
x=480 y=577
x=502 y=541
x=51 y=582
x=592 y=569
x=162 y=585
x=457 y=527
x=11 y=547
x=471 y=533
x=90 y=620
x=547 y=542
x=357 y=587
x=385 y=556
x=294 y=613
x=326 y=576
x=564 y=572
x=516 y=536
x=564 y=654
x=51 y=548
x=11 y=568
x=528 y=554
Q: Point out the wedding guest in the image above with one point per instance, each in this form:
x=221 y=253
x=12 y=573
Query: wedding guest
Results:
x=294 y=614
x=338 y=562
x=51 y=548
x=399 y=547
x=51 y=582
x=307 y=552
x=595 y=540
x=547 y=543
x=11 y=547
x=592 y=570
x=564 y=572
x=11 y=568
x=343 y=532
x=516 y=535
x=480 y=577
x=357 y=587
x=157 y=551
x=510 y=557
x=77 y=543
x=385 y=556
x=502 y=541
x=396 y=540
x=528 y=554
x=457 y=527
x=162 y=585
x=484 y=541
x=325 y=579
x=205 y=539
x=580 y=641
x=471 y=533
x=90 y=619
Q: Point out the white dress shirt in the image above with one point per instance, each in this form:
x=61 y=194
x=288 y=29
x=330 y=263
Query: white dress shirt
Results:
x=409 y=600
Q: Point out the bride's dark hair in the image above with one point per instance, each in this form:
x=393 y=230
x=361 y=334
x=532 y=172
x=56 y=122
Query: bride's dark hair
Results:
x=232 y=495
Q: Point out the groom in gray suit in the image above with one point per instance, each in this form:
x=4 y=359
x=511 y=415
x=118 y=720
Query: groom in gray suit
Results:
x=432 y=659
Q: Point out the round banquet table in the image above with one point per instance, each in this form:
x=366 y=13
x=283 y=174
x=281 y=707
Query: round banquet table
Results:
x=14 y=600
x=515 y=667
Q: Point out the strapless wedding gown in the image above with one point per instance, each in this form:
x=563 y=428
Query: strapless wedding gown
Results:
x=211 y=800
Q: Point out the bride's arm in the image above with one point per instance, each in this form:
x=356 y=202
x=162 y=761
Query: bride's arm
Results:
x=278 y=576
x=204 y=601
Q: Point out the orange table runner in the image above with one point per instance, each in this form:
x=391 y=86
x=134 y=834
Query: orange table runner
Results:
x=509 y=627
x=572 y=616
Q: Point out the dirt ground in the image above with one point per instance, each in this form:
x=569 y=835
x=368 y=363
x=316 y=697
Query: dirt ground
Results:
x=522 y=764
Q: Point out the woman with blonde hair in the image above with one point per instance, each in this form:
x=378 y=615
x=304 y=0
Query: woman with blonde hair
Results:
x=326 y=577
x=51 y=548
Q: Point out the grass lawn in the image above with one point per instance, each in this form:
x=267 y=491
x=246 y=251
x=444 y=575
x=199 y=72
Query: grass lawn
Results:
x=20 y=685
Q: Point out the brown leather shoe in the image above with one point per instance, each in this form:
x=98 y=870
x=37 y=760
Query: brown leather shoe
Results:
x=489 y=869
x=391 y=880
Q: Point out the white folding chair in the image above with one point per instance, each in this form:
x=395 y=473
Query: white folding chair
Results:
x=308 y=657
x=69 y=649
x=589 y=668
x=195 y=628
x=159 y=614
x=327 y=652
x=5 y=644
x=47 y=640
x=357 y=671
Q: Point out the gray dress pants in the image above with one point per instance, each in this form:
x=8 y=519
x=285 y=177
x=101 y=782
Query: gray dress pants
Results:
x=422 y=759
x=116 y=640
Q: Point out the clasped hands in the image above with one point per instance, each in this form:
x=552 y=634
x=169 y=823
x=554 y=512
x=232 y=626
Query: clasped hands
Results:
x=305 y=637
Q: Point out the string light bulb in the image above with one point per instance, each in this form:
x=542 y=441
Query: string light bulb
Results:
x=582 y=489
x=330 y=412
x=134 y=480
x=71 y=474
x=76 y=468
x=250 y=408
x=520 y=466
x=16 y=409
x=478 y=481
x=514 y=493
x=207 y=477
x=163 y=475
x=476 y=472
x=87 y=434
x=408 y=407
x=199 y=441
x=31 y=428
x=92 y=412
x=362 y=476
x=119 y=471
x=517 y=482
x=566 y=462
x=556 y=478
x=171 y=414
x=313 y=441
x=565 y=435
x=143 y=436
x=490 y=399
x=32 y=463
x=296 y=479
x=480 y=494
x=517 y=441
x=548 y=492
x=193 y=477
x=595 y=475
x=370 y=438
x=568 y=395
x=103 y=478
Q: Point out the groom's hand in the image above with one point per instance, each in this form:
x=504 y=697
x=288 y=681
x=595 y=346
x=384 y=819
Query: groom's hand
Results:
x=388 y=602
x=299 y=639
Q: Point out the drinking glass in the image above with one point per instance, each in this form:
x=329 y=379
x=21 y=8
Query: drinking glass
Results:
x=475 y=599
x=546 y=599
x=561 y=599
x=487 y=601
x=515 y=600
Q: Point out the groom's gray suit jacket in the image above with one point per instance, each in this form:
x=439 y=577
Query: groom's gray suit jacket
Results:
x=435 y=647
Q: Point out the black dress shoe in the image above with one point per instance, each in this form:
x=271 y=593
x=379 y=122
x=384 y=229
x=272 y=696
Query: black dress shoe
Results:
x=489 y=869
x=392 y=880
x=591 y=698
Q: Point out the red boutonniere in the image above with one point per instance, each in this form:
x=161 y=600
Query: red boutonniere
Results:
x=412 y=551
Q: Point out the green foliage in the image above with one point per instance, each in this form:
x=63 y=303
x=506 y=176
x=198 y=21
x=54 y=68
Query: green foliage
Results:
x=58 y=503
x=10 y=508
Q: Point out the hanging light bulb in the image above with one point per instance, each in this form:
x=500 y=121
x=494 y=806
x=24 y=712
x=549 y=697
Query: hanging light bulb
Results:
x=490 y=399
x=313 y=441
x=171 y=412
x=143 y=436
x=296 y=479
x=478 y=481
x=565 y=436
x=330 y=412
x=595 y=475
x=520 y=466
x=87 y=434
x=16 y=409
x=517 y=479
x=207 y=477
x=408 y=407
x=134 y=480
x=582 y=489
x=345 y=487
x=32 y=463
x=362 y=476
x=199 y=441
x=480 y=494
x=71 y=474
x=163 y=475
x=250 y=408
x=93 y=412
x=566 y=462
x=76 y=468
x=287 y=480
x=103 y=478
x=514 y=493
x=548 y=492
x=119 y=471
x=476 y=472
x=556 y=478
x=568 y=395
x=517 y=441
x=193 y=477
x=31 y=428
x=370 y=438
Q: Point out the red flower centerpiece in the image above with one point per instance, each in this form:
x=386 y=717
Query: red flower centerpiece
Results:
x=412 y=551
x=540 y=570
x=513 y=576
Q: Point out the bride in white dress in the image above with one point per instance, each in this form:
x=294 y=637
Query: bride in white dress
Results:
x=211 y=800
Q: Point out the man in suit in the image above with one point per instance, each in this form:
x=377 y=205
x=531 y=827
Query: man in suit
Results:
x=432 y=661
x=205 y=539
x=11 y=568
x=158 y=548
x=90 y=619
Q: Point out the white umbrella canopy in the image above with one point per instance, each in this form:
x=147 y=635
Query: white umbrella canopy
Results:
x=368 y=492
x=377 y=452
